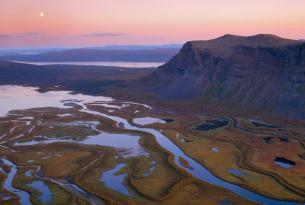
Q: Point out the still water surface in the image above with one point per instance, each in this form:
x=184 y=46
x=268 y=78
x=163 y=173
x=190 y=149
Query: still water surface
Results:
x=102 y=63
x=56 y=99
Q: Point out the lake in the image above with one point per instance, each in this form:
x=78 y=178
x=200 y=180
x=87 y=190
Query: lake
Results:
x=101 y=63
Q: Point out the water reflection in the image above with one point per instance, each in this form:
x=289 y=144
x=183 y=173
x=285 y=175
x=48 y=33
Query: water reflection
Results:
x=115 y=181
x=147 y=120
x=45 y=194
x=127 y=142
x=10 y=96
x=10 y=100
x=8 y=184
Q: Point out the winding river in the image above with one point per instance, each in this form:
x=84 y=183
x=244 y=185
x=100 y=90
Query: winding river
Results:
x=66 y=184
x=8 y=183
x=197 y=170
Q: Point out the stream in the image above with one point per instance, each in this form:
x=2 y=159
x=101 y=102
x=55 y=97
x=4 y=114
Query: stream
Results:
x=9 y=100
x=8 y=184
x=197 y=170
x=66 y=184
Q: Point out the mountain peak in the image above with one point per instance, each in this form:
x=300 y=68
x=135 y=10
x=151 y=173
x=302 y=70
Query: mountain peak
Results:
x=229 y=40
x=257 y=36
x=261 y=71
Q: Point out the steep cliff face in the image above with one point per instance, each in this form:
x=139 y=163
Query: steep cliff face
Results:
x=262 y=72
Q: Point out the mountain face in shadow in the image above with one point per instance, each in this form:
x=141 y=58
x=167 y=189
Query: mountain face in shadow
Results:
x=263 y=72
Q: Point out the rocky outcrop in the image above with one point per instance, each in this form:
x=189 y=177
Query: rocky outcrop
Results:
x=264 y=72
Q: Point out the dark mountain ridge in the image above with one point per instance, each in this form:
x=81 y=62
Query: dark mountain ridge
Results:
x=263 y=72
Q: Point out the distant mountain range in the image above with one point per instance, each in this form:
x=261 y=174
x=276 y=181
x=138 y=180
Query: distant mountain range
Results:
x=14 y=51
x=130 y=53
x=263 y=72
x=137 y=47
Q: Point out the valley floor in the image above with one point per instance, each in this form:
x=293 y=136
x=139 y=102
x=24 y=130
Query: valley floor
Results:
x=105 y=153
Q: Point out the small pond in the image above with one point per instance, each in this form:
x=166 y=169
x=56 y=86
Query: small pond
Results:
x=268 y=140
x=284 y=163
x=263 y=124
x=147 y=120
x=236 y=172
x=211 y=125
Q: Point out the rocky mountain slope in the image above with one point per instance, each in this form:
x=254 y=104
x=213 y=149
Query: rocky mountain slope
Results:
x=262 y=72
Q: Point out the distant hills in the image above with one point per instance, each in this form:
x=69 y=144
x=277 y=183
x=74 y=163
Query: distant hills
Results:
x=131 y=53
x=263 y=72
x=138 y=47
x=80 y=78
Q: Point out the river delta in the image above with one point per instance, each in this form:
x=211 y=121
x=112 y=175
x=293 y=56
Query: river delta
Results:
x=60 y=147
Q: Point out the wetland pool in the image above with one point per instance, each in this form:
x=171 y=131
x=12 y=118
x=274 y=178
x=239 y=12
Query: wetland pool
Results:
x=45 y=194
x=9 y=96
x=147 y=120
x=128 y=143
x=284 y=163
x=211 y=125
x=114 y=181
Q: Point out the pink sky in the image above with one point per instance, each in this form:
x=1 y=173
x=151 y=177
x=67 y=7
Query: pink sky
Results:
x=100 y=22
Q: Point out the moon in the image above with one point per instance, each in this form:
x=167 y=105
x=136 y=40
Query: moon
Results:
x=41 y=14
